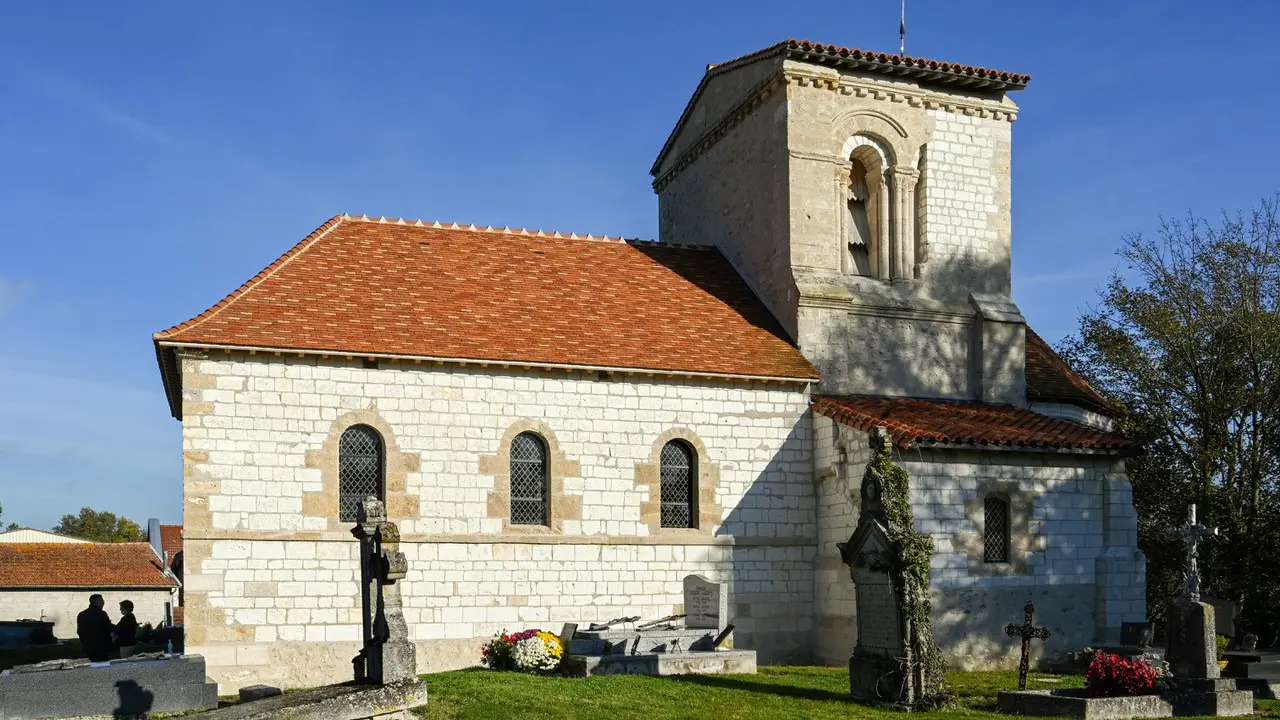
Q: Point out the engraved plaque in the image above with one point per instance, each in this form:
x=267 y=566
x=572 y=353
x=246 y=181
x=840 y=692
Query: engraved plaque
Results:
x=877 y=612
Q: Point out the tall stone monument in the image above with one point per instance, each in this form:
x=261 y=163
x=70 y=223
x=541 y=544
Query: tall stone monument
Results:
x=387 y=655
x=1192 y=654
x=895 y=659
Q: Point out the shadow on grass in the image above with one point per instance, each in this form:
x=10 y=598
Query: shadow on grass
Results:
x=732 y=683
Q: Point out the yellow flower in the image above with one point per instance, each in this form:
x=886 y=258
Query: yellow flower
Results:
x=554 y=646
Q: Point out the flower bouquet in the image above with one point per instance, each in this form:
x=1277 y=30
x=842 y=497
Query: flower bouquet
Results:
x=531 y=651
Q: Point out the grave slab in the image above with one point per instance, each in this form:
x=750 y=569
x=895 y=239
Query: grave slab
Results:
x=130 y=687
x=1074 y=704
x=683 y=663
x=350 y=701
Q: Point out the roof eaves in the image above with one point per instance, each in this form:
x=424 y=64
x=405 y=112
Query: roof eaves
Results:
x=814 y=376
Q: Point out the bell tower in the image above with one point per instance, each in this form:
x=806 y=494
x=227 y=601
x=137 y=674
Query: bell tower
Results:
x=866 y=199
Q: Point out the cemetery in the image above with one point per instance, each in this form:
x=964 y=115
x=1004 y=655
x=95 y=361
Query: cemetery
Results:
x=668 y=667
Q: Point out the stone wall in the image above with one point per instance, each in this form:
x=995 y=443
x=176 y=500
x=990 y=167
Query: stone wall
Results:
x=1074 y=547
x=61 y=606
x=733 y=194
x=270 y=573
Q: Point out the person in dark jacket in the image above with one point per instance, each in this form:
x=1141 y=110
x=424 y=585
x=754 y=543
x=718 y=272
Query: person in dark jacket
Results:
x=94 y=628
x=126 y=629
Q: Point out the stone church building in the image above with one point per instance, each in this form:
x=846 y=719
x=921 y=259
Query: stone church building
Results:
x=565 y=426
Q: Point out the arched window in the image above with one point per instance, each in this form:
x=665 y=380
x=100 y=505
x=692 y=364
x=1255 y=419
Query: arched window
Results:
x=677 y=474
x=995 y=530
x=530 y=480
x=865 y=223
x=361 y=470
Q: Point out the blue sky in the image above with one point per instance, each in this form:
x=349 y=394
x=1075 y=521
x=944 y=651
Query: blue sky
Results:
x=154 y=156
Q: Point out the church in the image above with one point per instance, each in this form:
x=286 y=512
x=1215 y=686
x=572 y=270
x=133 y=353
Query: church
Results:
x=564 y=426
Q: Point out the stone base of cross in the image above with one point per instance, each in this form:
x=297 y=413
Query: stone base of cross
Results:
x=1027 y=631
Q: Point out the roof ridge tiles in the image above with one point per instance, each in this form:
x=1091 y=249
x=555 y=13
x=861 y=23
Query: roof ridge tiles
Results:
x=508 y=230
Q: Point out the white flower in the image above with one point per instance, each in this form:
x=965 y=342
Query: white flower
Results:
x=532 y=654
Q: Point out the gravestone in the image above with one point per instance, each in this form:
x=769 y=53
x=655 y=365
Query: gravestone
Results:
x=387 y=656
x=895 y=659
x=1225 y=613
x=1136 y=634
x=1193 y=649
x=706 y=605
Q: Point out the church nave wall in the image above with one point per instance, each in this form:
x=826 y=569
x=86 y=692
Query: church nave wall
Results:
x=270 y=569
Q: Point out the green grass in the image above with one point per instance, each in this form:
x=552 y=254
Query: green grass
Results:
x=776 y=693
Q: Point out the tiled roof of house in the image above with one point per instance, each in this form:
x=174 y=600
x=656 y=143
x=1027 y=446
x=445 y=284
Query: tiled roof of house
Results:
x=97 y=565
x=1051 y=380
x=913 y=421
x=381 y=287
x=171 y=539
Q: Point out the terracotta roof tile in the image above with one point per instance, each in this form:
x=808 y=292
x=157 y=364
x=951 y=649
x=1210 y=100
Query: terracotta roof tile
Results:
x=171 y=539
x=97 y=565
x=911 y=421
x=905 y=64
x=1051 y=380
x=387 y=287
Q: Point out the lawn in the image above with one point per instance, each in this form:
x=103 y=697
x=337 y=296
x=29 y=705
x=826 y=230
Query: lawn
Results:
x=777 y=693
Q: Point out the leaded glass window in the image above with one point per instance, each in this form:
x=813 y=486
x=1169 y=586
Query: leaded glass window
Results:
x=530 y=480
x=995 y=530
x=360 y=469
x=677 y=485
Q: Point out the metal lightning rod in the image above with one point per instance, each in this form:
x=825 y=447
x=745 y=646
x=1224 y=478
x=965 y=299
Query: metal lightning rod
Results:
x=901 y=32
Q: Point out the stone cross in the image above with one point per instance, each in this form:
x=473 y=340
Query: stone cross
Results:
x=1027 y=631
x=386 y=655
x=1191 y=534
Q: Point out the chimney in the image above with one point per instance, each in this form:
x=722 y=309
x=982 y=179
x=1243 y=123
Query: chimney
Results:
x=153 y=536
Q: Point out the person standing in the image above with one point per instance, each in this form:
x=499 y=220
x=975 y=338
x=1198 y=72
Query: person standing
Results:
x=94 y=629
x=127 y=629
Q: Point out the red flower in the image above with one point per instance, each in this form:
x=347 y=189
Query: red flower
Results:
x=1111 y=676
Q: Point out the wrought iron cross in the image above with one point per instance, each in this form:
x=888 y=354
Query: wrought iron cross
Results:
x=1191 y=534
x=1027 y=631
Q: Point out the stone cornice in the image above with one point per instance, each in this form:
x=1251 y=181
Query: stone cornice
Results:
x=511 y=538
x=914 y=97
x=842 y=84
x=907 y=309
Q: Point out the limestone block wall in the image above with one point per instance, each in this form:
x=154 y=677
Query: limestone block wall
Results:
x=732 y=194
x=271 y=573
x=1074 y=548
x=947 y=158
x=62 y=606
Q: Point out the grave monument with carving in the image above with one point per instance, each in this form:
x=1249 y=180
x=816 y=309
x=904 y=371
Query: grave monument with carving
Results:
x=895 y=659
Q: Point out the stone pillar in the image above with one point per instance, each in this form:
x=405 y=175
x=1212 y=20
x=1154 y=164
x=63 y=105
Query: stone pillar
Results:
x=904 y=234
x=884 y=243
x=1120 y=570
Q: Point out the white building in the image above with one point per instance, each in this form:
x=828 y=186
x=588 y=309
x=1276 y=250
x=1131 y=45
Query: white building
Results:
x=564 y=426
x=52 y=581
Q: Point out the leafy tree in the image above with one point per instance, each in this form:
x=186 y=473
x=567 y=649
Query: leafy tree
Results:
x=1188 y=343
x=12 y=525
x=98 y=526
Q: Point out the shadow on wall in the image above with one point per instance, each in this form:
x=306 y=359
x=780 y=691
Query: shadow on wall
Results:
x=771 y=588
x=922 y=340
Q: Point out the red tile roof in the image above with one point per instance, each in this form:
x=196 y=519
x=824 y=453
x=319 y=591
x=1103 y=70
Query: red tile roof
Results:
x=911 y=421
x=171 y=539
x=935 y=71
x=1051 y=380
x=386 y=287
x=99 y=565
